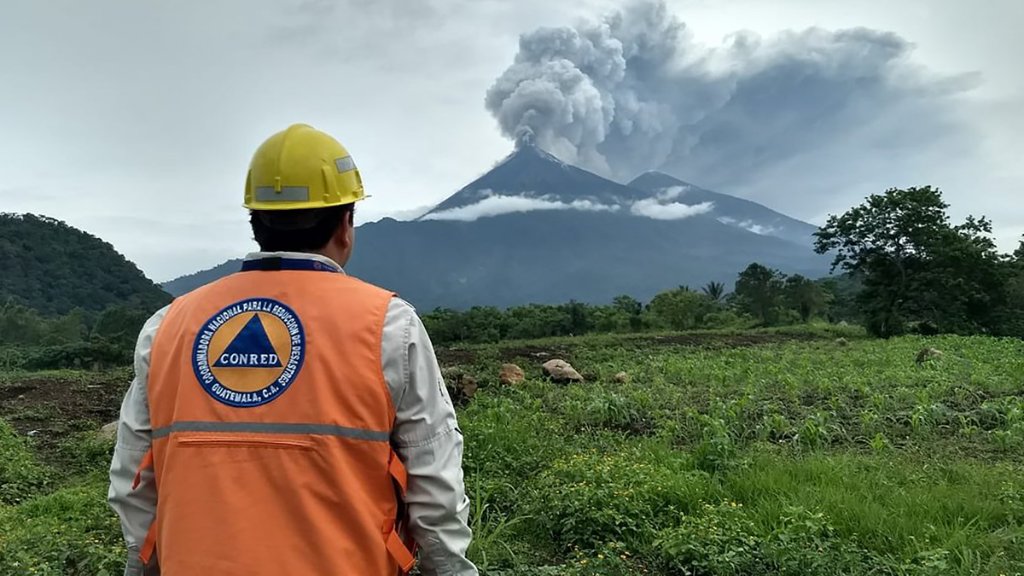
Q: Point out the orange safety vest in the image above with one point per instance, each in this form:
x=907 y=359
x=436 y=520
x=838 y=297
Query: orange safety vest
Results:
x=271 y=424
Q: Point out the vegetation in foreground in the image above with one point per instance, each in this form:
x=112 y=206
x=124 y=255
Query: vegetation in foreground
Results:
x=771 y=452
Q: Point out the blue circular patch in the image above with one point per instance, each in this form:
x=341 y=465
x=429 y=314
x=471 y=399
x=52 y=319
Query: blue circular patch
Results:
x=249 y=353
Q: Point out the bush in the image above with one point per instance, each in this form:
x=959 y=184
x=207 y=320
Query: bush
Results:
x=20 y=475
x=589 y=499
x=727 y=319
x=623 y=411
x=507 y=443
x=717 y=541
x=95 y=354
x=723 y=541
x=71 y=532
x=85 y=452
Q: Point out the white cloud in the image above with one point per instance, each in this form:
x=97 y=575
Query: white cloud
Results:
x=652 y=208
x=757 y=228
x=749 y=225
x=666 y=194
x=496 y=205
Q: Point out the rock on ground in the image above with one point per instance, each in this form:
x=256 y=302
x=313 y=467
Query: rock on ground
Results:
x=622 y=378
x=927 y=354
x=109 y=431
x=511 y=374
x=561 y=371
x=461 y=387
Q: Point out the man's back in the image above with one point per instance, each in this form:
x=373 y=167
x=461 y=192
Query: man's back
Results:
x=275 y=396
x=287 y=433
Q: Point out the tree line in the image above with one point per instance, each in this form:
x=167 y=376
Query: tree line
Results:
x=761 y=296
x=81 y=338
x=900 y=266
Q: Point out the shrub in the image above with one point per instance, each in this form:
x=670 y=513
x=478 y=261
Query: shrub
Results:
x=84 y=452
x=590 y=498
x=722 y=540
x=717 y=541
x=593 y=409
x=71 y=532
x=20 y=475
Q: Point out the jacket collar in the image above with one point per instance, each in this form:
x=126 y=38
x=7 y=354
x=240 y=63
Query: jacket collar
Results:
x=296 y=256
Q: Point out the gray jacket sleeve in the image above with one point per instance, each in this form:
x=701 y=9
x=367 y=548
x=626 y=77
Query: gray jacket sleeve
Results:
x=135 y=508
x=428 y=440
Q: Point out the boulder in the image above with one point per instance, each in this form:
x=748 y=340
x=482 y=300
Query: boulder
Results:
x=622 y=378
x=511 y=374
x=461 y=387
x=842 y=342
x=928 y=354
x=109 y=431
x=561 y=371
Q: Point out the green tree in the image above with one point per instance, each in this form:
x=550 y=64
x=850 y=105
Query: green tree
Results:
x=916 y=266
x=20 y=325
x=120 y=325
x=841 y=293
x=632 y=308
x=1011 y=317
x=68 y=329
x=680 y=309
x=445 y=326
x=577 y=317
x=759 y=292
x=484 y=323
x=804 y=296
x=715 y=291
x=608 y=319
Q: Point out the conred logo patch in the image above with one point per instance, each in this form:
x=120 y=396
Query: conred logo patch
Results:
x=250 y=352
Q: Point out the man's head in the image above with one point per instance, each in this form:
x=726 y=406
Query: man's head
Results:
x=327 y=231
x=301 y=191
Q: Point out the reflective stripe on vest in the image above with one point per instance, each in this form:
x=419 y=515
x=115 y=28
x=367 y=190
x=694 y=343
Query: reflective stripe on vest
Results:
x=273 y=428
x=271 y=425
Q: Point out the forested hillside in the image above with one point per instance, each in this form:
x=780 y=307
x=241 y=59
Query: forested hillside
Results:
x=53 y=268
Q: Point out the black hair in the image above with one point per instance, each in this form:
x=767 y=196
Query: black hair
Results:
x=306 y=230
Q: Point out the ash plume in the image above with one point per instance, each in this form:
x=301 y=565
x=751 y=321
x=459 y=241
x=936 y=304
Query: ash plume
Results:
x=634 y=92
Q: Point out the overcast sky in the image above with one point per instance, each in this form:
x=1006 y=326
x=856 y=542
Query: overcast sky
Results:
x=136 y=120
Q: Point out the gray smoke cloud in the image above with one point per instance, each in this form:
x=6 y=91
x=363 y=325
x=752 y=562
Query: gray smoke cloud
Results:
x=634 y=92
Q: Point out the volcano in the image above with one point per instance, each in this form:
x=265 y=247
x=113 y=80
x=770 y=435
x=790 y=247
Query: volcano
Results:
x=535 y=229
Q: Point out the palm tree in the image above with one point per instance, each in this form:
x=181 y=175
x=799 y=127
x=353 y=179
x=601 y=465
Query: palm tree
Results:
x=714 y=290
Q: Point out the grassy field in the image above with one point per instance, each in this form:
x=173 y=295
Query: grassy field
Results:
x=781 y=452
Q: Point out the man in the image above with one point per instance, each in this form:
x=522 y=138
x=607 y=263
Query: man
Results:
x=289 y=419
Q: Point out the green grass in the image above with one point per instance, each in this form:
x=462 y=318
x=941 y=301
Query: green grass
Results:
x=21 y=475
x=69 y=532
x=727 y=453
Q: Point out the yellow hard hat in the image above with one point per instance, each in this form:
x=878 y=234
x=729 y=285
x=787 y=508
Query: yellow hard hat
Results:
x=301 y=167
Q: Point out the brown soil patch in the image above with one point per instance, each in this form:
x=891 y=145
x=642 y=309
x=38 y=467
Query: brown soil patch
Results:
x=454 y=356
x=51 y=408
x=540 y=353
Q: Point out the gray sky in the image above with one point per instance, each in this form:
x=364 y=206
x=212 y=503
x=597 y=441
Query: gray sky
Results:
x=136 y=120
